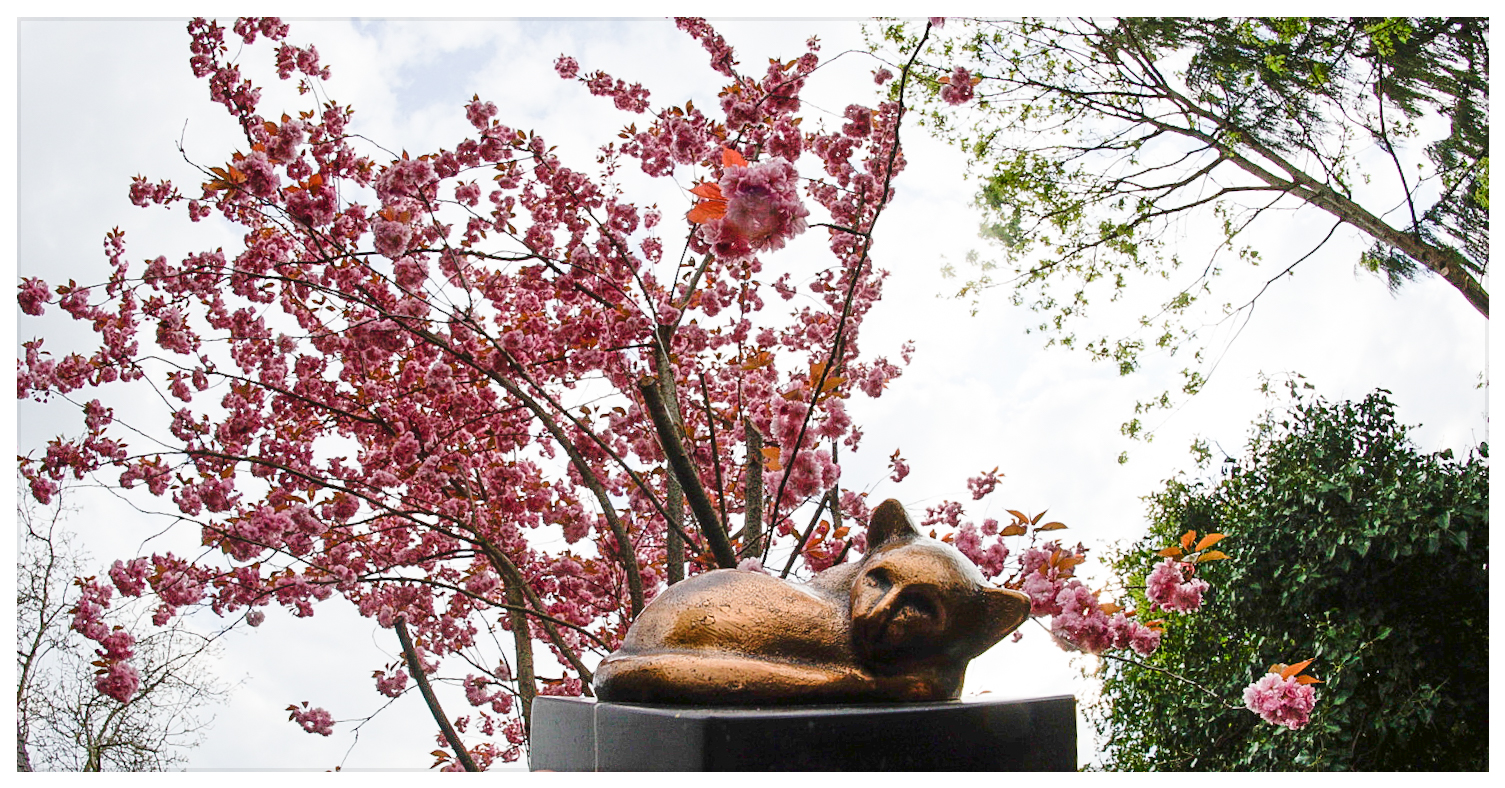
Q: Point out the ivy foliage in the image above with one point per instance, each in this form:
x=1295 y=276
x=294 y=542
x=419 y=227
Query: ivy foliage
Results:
x=1348 y=545
x=1098 y=144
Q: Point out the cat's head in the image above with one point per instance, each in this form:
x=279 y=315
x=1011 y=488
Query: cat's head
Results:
x=917 y=599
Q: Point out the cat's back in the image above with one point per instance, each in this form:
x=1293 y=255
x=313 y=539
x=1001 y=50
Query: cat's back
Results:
x=732 y=610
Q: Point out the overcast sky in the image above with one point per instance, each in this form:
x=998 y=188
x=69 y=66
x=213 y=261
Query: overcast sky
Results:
x=102 y=101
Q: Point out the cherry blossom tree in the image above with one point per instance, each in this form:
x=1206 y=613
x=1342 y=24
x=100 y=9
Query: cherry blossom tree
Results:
x=490 y=397
x=417 y=364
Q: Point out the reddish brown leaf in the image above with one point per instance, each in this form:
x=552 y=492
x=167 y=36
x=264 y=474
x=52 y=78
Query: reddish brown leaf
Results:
x=771 y=459
x=1296 y=668
x=1051 y=527
x=731 y=158
x=1169 y=552
x=1012 y=530
x=710 y=190
x=759 y=360
x=816 y=370
x=1304 y=679
x=1208 y=541
x=706 y=211
x=1187 y=538
x=1211 y=555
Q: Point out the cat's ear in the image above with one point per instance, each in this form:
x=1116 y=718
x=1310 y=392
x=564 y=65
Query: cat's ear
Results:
x=1003 y=611
x=889 y=522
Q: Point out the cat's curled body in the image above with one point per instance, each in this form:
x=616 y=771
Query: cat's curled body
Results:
x=899 y=625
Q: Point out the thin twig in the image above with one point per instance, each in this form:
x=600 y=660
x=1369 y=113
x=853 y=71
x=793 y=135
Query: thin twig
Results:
x=1219 y=698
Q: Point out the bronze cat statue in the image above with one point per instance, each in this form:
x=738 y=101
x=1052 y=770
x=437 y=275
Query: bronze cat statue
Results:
x=899 y=625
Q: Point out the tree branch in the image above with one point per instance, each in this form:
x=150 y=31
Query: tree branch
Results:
x=752 y=517
x=416 y=668
x=684 y=470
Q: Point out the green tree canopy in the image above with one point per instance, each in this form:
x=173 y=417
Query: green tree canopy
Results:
x=1098 y=142
x=1347 y=545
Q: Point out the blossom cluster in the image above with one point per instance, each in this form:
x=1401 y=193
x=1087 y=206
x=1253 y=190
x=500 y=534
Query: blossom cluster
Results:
x=313 y=720
x=1078 y=617
x=958 y=87
x=1169 y=587
x=1046 y=572
x=116 y=678
x=900 y=466
x=119 y=680
x=1281 y=700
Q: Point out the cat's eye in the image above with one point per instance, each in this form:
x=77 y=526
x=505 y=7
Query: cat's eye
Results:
x=878 y=577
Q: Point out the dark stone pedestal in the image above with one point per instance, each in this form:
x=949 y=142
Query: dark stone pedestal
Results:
x=575 y=734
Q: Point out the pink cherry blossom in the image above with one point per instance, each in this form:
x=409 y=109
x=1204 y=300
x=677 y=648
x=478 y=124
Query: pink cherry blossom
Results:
x=958 y=88
x=480 y=113
x=312 y=720
x=946 y=513
x=722 y=59
x=392 y=684
x=1168 y=587
x=119 y=681
x=901 y=468
x=118 y=645
x=130 y=577
x=1281 y=701
x=476 y=691
x=1081 y=621
x=763 y=210
x=33 y=295
x=983 y=484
